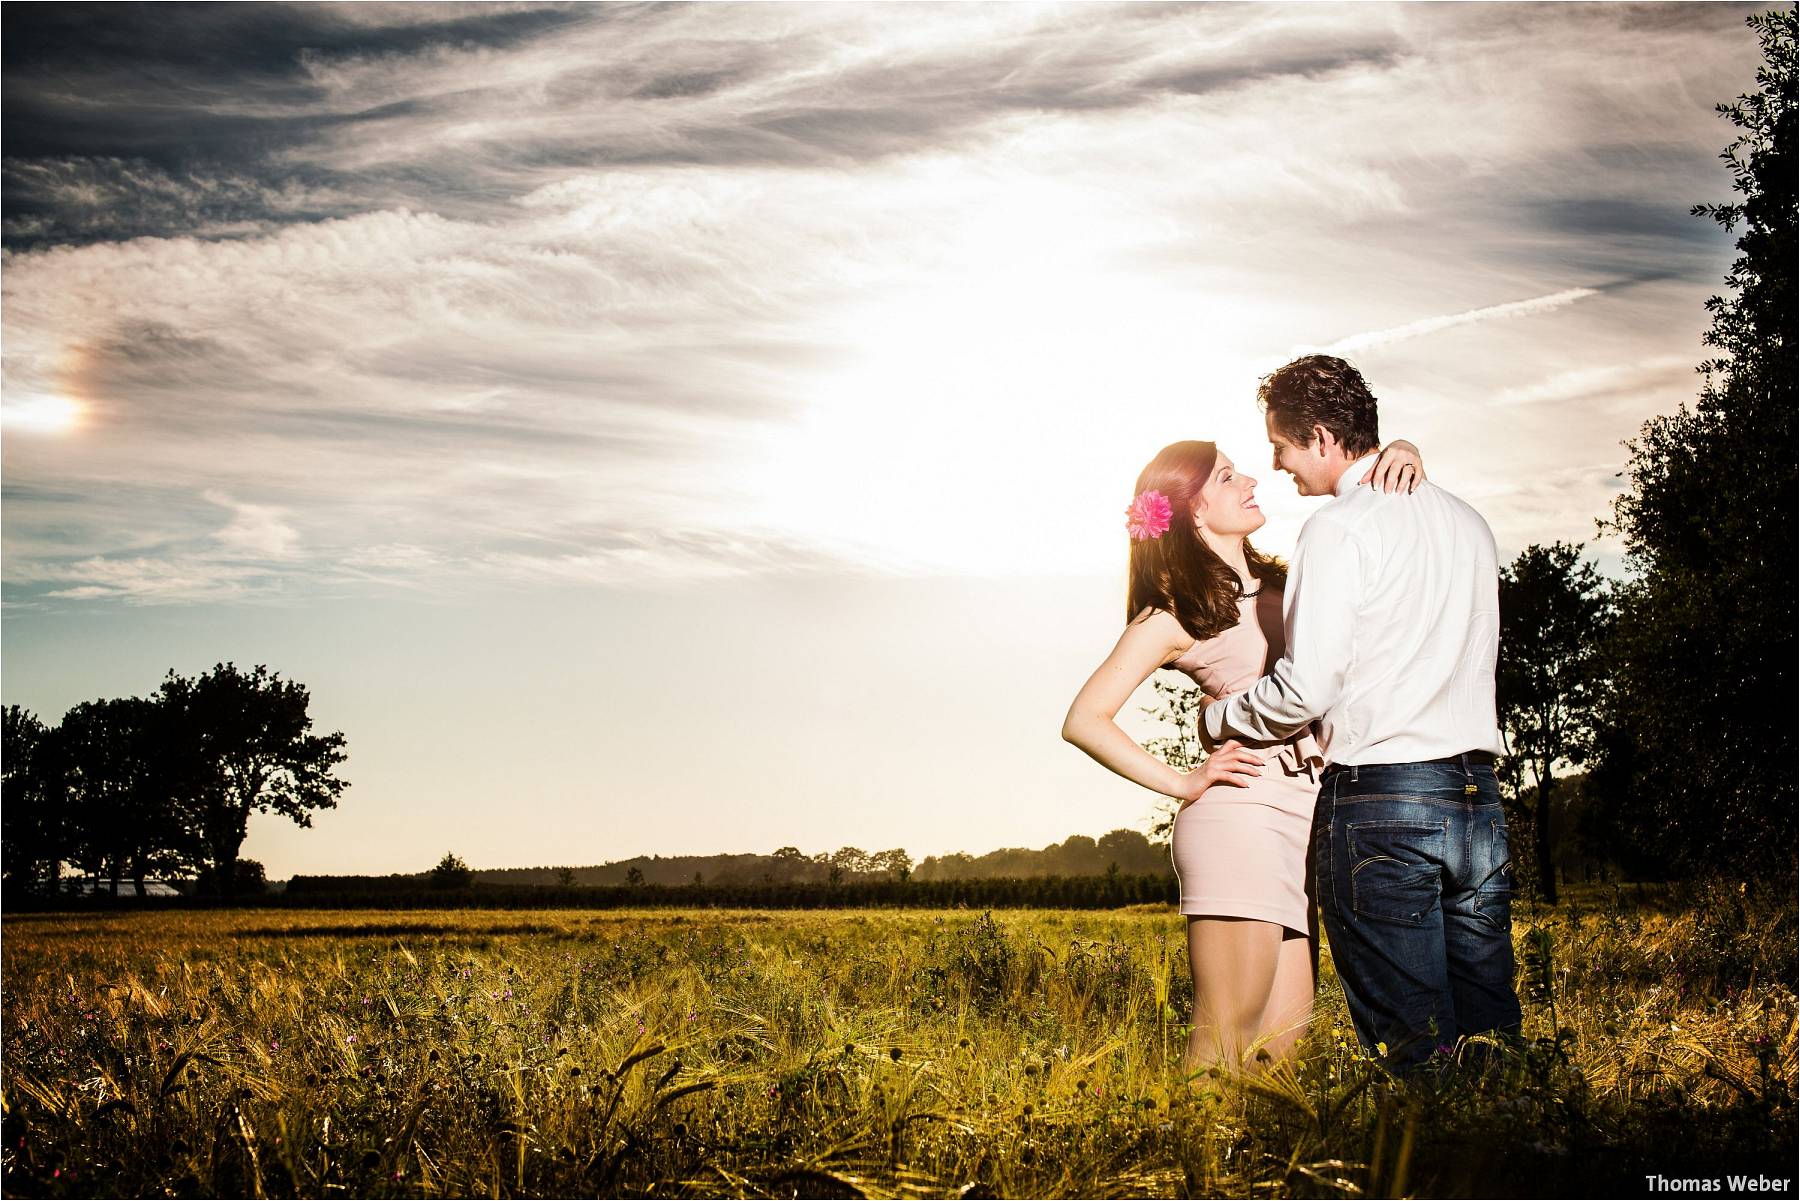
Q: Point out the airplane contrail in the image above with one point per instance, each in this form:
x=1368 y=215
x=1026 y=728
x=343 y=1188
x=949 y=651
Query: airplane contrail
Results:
x=1431 y=325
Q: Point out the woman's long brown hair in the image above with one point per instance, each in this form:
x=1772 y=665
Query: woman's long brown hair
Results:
x=1178 y=573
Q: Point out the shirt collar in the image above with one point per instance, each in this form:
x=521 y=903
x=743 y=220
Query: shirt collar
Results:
x=1347 y=482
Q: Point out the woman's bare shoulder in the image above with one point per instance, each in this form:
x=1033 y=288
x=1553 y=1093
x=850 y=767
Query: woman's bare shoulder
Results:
x=1161 y=627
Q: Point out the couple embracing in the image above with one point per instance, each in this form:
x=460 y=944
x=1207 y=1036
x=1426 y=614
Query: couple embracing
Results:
x=1351 y=727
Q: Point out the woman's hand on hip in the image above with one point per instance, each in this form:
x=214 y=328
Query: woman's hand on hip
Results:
x=1232 y=764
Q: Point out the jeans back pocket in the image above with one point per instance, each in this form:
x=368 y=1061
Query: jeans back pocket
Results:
x=1395 y=868
x=1493 y=864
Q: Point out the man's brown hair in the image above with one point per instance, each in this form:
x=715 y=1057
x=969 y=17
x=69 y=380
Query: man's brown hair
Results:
x=1317 y=389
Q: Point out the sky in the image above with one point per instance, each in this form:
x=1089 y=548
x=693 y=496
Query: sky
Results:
x=699 y=428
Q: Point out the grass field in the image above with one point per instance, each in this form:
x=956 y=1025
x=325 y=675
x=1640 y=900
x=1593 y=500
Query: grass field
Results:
x=828 y=1054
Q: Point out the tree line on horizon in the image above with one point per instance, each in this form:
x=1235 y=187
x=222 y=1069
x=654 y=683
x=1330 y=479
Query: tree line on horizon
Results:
x=1120 y=852
x=426 y=891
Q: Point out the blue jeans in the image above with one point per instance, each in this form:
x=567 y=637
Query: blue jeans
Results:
x=1414 y=881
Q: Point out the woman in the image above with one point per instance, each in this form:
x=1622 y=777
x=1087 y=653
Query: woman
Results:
x=1205 y=602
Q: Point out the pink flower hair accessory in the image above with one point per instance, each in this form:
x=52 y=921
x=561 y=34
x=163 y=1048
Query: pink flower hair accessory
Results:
x=1149 y=516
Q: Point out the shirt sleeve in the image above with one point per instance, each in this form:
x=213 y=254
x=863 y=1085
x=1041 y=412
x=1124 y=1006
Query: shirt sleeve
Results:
x=1324 y=591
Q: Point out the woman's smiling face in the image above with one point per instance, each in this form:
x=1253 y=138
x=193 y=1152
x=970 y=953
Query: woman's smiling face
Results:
x=1228 y=501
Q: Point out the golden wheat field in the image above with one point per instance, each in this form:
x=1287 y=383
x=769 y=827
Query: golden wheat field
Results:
x=917 y=1053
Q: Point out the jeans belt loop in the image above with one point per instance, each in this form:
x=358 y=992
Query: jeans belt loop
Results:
x=1468 y=775
x=1353 y=773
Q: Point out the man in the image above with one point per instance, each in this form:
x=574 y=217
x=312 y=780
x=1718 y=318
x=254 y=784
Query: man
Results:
x=1393 y=621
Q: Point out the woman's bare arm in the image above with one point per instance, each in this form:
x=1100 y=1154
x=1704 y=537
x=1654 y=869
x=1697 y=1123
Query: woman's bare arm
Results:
x=1147 y=644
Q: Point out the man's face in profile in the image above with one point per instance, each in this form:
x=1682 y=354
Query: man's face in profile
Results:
x=1304 y=464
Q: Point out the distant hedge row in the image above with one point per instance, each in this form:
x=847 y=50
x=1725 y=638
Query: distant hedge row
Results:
x=412 y=892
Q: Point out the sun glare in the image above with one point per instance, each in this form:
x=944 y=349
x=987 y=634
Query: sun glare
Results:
x=40 y=413
x=997 y=408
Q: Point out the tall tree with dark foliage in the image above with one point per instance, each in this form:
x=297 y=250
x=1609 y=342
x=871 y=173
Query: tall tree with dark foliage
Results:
x=1553 y=622
x=33 y=822
x=248 y=747
x=119 y=792
x=1697 y=752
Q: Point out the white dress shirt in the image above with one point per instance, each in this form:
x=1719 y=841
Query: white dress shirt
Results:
x=1393 y=622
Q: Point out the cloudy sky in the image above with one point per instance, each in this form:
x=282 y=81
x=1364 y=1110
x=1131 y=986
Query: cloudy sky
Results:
x=694 y=428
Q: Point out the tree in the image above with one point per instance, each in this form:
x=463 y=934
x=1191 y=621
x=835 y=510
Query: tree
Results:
x=249 y=878
x=33 y=826
x=789 y=864
x=1178 y=707
x=1702 y=702
x=92 y=783
x=896 y=863
x=1078 y=855
x=565 y=876
x=451 y=872
x=245 y=747
x=1553 y=618
x=634 y=876
x=1131 y=851
x=848 y=862
x=120 y=787
x=958 y=865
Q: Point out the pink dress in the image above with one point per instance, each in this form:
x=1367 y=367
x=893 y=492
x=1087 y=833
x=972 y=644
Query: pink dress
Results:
x=1242 y=852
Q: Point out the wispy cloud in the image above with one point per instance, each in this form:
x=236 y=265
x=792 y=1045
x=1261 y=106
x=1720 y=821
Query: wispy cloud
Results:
x=640 y=293
x=1613 y=381
x=257 y=531
x=158 y=580
x=102 y=197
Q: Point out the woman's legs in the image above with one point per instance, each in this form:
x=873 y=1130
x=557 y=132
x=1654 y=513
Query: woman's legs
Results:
x=1251 y=981
x=1233 y=961
x=1289 y=1011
